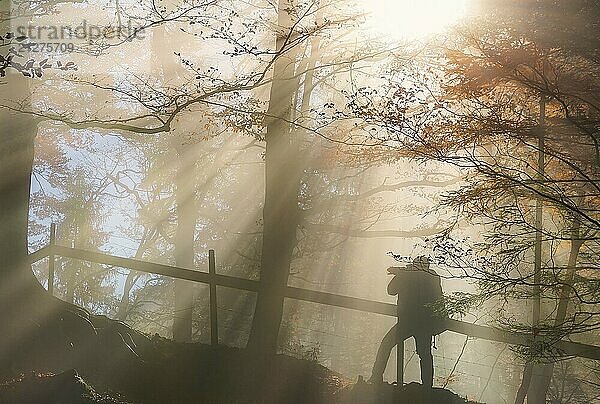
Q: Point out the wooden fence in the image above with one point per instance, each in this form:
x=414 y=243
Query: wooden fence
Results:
x=211 y=278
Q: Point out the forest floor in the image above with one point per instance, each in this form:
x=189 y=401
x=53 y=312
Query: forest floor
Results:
x=196 y=373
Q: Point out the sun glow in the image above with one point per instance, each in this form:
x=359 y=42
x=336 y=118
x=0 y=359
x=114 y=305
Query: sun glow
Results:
x=413 y=19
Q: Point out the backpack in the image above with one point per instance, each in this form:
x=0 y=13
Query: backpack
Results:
x=419 y=295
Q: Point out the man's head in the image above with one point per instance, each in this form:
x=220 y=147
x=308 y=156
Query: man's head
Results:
x=421 y=263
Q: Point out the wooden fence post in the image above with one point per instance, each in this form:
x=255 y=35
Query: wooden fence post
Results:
x=214 y=325
x=51 y=259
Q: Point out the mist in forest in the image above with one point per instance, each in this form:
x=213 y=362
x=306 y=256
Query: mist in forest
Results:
x=253 y=202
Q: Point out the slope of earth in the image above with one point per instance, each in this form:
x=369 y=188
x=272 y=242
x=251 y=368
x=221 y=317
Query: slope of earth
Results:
x=39 y=388
x=112 y=357
x=195 y=373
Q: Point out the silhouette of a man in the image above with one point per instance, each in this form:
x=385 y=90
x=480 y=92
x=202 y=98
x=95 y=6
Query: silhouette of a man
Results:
x=417 y=288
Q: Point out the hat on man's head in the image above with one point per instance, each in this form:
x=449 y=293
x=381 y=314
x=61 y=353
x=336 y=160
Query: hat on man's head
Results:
x=419 y=263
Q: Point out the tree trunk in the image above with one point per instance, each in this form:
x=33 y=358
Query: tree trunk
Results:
x=184 y=245
x=19 y=287
x=165 y=65
x=148 y=237
x=17 y=137
x=123 y=308
x=17 y=134
x=280 y=210
x=531 y=369
x=540 y=384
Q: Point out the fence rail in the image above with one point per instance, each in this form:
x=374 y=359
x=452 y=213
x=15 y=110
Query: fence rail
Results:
x=213 y=279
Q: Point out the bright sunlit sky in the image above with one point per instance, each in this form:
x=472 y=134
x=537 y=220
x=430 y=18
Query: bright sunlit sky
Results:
x=413 y=19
